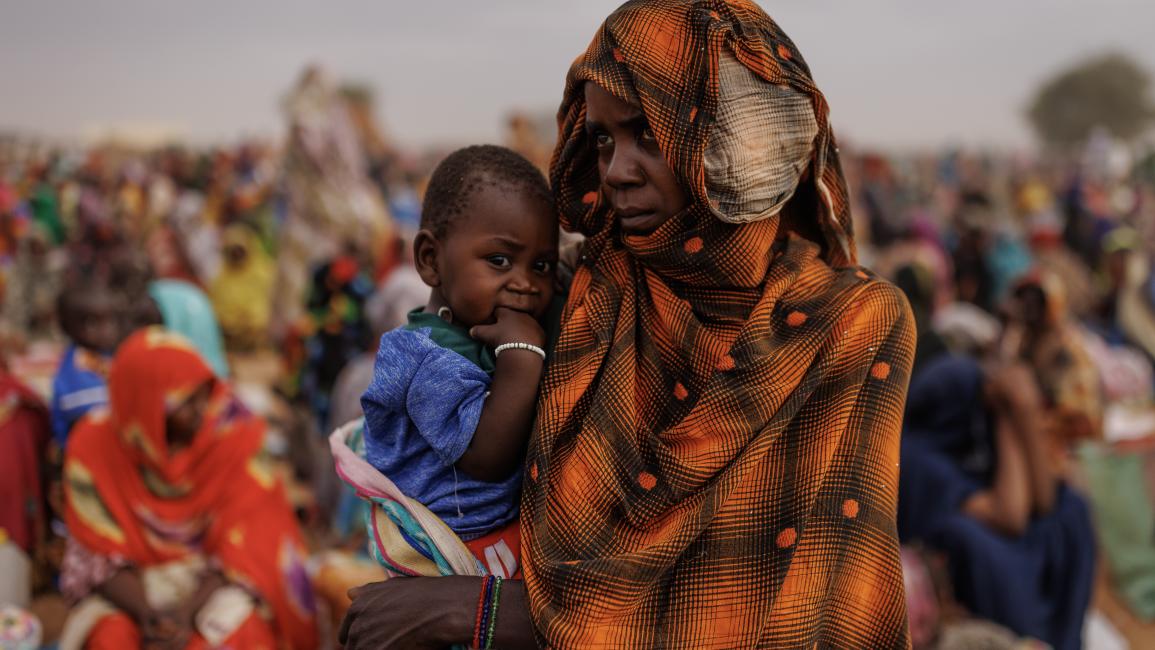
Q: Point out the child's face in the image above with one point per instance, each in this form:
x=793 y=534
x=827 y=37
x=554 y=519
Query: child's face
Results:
x=503 y=253
x=95 y=322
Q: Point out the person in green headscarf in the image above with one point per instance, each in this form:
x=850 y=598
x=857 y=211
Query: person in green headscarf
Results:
x=46 y=208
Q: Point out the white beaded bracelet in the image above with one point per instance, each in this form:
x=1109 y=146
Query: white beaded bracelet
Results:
x=519 y=346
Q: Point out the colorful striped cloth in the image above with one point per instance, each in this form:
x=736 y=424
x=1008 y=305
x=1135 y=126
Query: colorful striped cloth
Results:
x=404 y=536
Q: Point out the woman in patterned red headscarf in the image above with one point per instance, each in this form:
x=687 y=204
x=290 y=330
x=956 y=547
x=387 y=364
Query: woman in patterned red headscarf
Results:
x=715 y=463
x=181 y=536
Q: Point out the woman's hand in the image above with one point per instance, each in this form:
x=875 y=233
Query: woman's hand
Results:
x=411 y=613
x=159 y=630
x=165 y=631
x=432 y=613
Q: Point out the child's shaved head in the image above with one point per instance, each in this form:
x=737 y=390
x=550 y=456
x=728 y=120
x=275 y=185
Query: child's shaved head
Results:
x=465 y=171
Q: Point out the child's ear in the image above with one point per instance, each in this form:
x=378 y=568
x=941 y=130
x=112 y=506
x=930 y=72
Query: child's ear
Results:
x=425 y=253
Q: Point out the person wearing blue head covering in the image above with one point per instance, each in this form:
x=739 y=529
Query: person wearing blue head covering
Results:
x=1018 y=541
x=185 y=309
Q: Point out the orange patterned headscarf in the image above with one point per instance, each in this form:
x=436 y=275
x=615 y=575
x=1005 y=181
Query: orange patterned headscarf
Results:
x=716 y=456
x=129 y=496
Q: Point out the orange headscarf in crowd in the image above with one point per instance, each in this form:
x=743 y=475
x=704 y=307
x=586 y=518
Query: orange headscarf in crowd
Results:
x=716 y=456
x=1066 y=372
x=130 y=497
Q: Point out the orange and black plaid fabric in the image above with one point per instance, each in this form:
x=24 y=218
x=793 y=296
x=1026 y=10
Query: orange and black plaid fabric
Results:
x=716 y=458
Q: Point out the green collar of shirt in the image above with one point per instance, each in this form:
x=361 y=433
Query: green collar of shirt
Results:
x=452 y=337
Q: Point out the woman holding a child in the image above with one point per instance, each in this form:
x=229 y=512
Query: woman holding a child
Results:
x=715 y=456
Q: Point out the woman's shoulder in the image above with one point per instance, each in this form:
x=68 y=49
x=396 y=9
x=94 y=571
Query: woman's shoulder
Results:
x=869 y=312
x=93 y=431
x=873 y=297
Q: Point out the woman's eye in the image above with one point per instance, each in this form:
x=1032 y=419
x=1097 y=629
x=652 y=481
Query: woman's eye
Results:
x=543 y=267
x=647 y=135
x=500 y=261
x=602 y=140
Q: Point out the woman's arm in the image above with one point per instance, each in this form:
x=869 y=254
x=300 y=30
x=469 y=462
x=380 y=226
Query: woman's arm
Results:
x=1015 y=396
x=125 y=591
x=1006 y=505
x=158 y=630
x=1024 y=483
x=432 y=613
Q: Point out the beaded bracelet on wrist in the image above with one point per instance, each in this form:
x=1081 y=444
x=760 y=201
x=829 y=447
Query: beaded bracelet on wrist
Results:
x=519 y=346
x=492 y=626
x=478 y=630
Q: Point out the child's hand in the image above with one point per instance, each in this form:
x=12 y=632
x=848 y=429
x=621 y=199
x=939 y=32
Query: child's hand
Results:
x=511 y=326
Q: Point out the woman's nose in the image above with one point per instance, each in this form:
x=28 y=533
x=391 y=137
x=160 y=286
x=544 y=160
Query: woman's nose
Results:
x=624 y=169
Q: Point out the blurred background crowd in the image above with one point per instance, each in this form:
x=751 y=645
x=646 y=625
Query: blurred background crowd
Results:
x=1027 y=502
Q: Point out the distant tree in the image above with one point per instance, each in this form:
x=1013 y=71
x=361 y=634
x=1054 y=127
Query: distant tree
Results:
x=1108 y=91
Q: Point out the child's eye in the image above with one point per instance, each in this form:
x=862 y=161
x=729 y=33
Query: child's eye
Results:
x=500 y=261
x=543 y=267
x=647 y=135
x=603 y=140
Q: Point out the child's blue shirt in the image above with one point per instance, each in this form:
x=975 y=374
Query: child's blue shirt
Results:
x=78 y=387
x=429 y=385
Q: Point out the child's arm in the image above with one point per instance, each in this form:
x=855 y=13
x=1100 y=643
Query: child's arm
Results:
x=498 y=444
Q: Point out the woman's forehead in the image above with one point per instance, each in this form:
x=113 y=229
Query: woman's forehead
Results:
x=603 y=107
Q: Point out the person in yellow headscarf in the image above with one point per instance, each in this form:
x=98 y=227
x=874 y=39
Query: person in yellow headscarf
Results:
x=242 y=293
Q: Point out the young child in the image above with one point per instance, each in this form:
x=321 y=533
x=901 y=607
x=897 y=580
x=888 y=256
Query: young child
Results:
x=90 y=315
x=451 y=404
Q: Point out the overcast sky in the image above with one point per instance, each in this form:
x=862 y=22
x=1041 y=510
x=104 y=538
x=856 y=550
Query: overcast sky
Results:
x=896 y=72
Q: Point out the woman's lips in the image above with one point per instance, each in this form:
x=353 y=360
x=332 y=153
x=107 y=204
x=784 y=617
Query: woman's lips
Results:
x=638 y=221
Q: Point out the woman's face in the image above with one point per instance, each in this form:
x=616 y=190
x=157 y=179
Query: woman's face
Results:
x=636 y=181
x=1031 y=307
x=235 y=255
x=182 y=423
